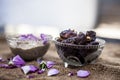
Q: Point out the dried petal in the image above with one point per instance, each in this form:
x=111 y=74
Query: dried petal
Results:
x=25 y=36
x=39 y=60
x=70 y=74
x=45 y=42
x=30 y=76
x=53 y=72
x=41 y=71
x=22 y=38
x=31 y=37
x=28 y=36
x=7 y=66
x=83 y=73
x=50 y=64
x=18 y=61
x=1 y=59
x=42 y=36
x=3 y=65
x=29 y=69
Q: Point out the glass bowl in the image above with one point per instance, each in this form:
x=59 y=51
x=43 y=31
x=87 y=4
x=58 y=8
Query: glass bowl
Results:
x=79 y=55
x=28 y=49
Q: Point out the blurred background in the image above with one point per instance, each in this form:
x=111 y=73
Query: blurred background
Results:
x=53 y=16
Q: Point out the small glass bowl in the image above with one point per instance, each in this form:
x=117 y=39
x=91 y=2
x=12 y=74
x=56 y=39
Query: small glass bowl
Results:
x=79 y=55
x=28 y=49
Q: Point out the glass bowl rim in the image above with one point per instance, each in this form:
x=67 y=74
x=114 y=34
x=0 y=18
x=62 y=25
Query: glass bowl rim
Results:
x=101 y=41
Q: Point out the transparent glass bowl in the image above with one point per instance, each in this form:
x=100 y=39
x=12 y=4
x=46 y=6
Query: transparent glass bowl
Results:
x=27 y=49
x=79 y=55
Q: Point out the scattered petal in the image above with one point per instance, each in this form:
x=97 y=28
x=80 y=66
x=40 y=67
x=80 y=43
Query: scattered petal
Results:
x=41 y=71
x=45 y=37
x=22 y=38
x=53 y=72
x=29 y=69
x=39 y=60
x=50 y=64
x=18 y=61
x=1 y=59
x=70 y=74
x=45 y=42
x=83 y=73
x=31 y=37
x=28 y=37
x=66 y=64
x=7 y=66
x=42 y=36
x=25 y=36
x=3 y=65
x=30 y=76
x=13 y=63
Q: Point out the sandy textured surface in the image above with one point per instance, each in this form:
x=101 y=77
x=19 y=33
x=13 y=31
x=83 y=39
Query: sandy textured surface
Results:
x=107 y=66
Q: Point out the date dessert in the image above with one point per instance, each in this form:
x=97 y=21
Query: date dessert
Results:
x=78 y=48
x=70 y=36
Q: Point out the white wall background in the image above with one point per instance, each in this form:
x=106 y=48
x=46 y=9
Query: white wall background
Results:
x=57 y=14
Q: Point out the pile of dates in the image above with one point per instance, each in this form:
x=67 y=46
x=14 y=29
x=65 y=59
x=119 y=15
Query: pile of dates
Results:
x=72 y=37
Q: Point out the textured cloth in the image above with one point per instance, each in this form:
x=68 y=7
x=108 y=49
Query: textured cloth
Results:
x=107 y=67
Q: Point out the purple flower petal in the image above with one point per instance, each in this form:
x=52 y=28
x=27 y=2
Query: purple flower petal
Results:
x=50 y=64
x=3 y=65
x=70 y=74
x=22 y=38
x=45 y=42
x=11 y=64
x=29 y=69
x=53 y=72
x=39 y=60
x=1 y=59
x=7 y=66
x=41 y=71
x=18 y=61
x=42 y=36
x=31 y=37
x=28 y=36
x=30 y=76
x=83 y=73
x=10 y=67
x=25 y=36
